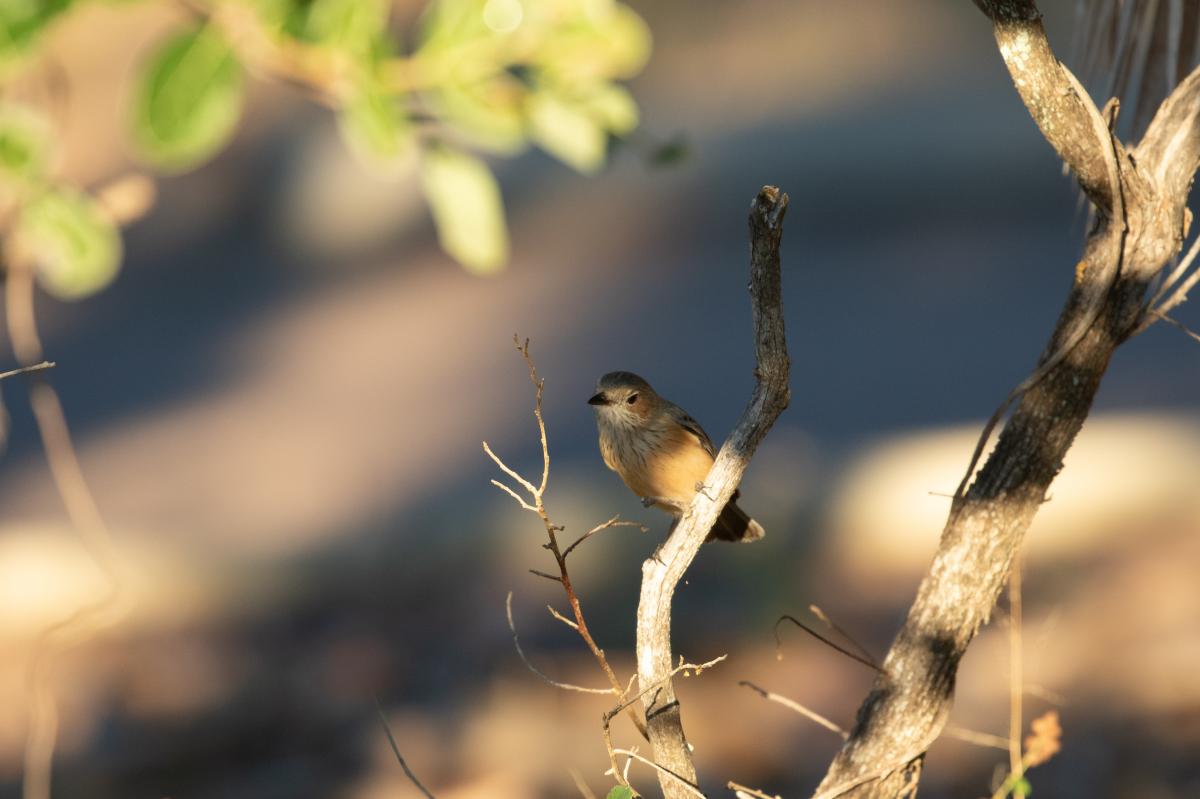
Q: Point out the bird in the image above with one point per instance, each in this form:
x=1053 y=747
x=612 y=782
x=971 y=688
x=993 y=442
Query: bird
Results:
x=660 y=452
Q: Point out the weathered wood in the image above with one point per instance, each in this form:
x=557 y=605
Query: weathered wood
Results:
x=1140 y=203
x=662 y=573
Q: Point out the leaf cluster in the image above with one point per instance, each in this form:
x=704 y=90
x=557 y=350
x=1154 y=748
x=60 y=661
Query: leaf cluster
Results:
x=464 y=80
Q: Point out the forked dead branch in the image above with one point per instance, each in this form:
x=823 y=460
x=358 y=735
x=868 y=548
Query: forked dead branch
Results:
x=1139 y=194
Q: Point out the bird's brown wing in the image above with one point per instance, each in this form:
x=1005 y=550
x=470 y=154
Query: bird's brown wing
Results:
x=693 y=427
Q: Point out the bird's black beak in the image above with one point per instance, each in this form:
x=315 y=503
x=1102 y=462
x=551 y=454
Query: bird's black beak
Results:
x=599 y=399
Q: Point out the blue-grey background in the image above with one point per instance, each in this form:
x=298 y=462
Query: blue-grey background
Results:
x=280 y=404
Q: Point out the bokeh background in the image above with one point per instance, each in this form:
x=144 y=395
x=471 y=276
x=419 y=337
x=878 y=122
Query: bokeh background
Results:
x=280 y=402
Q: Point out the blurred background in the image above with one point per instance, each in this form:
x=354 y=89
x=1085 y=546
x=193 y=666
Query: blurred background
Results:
x=279 y=405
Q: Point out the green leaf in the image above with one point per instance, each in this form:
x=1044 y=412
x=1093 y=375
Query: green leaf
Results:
x=1022 y=787
x=447 y=23
x=467 y=209
x=605 y=40
x=352 y=25
x=487 y=114
x=620 y=792
x=613 y=107
x=26 y=142
x=22 y=20
x=75 y=246
x=189 y=100
x=567 y=131
x=375 y=128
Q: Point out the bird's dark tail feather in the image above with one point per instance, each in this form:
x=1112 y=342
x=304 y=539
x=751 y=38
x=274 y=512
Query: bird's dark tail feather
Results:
x=734 y=525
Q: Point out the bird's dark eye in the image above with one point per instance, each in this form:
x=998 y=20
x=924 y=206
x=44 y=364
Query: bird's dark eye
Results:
x=632 y=399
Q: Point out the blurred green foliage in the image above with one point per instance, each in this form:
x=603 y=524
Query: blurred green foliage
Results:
x=620 y=792
x=492 y=77
x=189 y=99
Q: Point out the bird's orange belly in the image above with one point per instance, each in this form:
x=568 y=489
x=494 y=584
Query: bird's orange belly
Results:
x=673 y=473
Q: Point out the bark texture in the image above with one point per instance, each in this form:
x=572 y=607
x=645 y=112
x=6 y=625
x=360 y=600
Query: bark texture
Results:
x=1140 y=196
x=661 y=573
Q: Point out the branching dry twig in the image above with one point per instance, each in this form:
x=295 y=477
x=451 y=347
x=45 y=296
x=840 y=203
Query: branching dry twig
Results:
x=688 y=787
x=691 y=669
x=536 y=504
x=546 y=679
x=662 y=573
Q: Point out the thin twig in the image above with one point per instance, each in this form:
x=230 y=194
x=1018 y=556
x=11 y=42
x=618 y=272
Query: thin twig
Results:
x=983 y=739
x=580 y=784
x=853 y=656
x=1177 y=273
x=743 y=792
x=792 y=704
x=550 y=577
x=550 y=680
x=387 y=729
x=510 y=492
x=538 y=385
x=24 y=370
x=687 y=784
x=606 y=720
x=504 y=468
x=862 y=650
x=562 y=618
x=1187 y=331
x=1015 y=664
x=613 y=522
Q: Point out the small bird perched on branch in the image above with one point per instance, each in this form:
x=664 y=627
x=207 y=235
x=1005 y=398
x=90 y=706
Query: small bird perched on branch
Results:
x=661 y=453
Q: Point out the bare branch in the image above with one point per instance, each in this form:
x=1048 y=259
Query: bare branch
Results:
x=855 y=657
x=983 y=739
x=689 y=788
x=1138 y=232
x=1187 y=331
x=580 y=784
x=1176 y=298
x=538 y=385
x=743 y=792
x=504 y=468
x=1063 y=112
x=562 y=618
x=1170 y=281
x=613 y=522
x=24 y=370
x=1015 y=663
x=1170 y=150
x=792 y=704
x=525 y=505
x=537 y=573
x=538 y=506
x=831 y=624
x=387 y=728
x=546 y=679
x=661 y=574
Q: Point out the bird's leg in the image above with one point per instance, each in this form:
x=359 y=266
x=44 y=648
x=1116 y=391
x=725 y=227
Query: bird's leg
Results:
x=669 y=504
x=701 y=488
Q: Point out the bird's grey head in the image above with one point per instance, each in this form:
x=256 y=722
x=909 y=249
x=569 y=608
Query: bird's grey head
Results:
x=624 y=397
